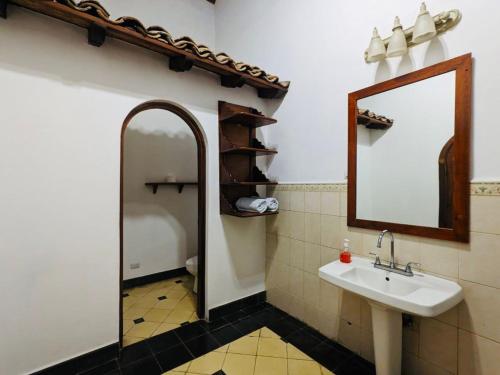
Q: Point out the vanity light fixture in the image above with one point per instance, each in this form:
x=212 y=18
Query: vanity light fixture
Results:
x=376 y=49
x=426 y=27
x=397 y=43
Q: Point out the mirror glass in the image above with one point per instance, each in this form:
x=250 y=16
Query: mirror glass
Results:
x=405 y=154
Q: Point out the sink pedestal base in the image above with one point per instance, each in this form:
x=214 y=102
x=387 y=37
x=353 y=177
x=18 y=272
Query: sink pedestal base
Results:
x=387 y=338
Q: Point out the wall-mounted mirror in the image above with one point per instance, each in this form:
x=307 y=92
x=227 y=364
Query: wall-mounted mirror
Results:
x=409 y=153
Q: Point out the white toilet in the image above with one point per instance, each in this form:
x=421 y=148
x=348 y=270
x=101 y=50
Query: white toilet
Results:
x=192 y=267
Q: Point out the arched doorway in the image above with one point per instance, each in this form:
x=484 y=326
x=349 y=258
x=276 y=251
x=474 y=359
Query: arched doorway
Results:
x=195 y=127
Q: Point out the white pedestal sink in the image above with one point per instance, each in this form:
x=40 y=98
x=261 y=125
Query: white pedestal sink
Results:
x=389 y=295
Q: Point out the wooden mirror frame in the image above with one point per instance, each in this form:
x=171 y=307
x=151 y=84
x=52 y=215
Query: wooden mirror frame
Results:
x=461 y=175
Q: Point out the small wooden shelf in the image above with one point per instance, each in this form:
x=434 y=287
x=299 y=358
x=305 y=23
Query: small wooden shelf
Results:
x=249 y=150
x=248 y=119
x=373 y=123
x=180 y=185
x=250 y=214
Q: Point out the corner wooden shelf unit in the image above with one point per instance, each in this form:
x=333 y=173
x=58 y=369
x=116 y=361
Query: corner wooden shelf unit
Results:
x=239 y=147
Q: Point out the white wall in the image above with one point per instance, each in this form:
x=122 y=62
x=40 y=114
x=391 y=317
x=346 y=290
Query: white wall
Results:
x=63 y=105
x=160 y=230
x=397 y=168
x=319 y=46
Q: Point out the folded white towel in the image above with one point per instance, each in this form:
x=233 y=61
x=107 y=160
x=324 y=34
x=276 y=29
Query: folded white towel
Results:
x=272 y=204
x=251 y=204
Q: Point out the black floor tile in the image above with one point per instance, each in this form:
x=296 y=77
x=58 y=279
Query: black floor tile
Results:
x=303 y=340
x=202 y=344
x=191 y=330
x=173 y=357
x=164 y=341
x=235 y=316
x=226 y=334
x=104 y=369
x=247 y=325
x=355 y=366
x=255 y=308
x=145 y=366
x=284 y=327
x=214 y=325
x=329 y=356
x=134 y=353
x=268 y=316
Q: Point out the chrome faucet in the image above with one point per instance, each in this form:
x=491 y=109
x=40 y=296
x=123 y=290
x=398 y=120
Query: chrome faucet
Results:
x=391 y=267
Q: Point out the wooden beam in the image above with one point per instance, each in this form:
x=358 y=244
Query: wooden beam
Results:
x=97 y=35
x=3 y=8
x=180 y=63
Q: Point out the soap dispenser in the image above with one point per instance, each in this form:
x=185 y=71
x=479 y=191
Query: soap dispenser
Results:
x=345 y=255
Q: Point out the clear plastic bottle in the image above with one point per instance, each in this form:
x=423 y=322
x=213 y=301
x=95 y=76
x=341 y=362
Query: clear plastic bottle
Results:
x=345 y=255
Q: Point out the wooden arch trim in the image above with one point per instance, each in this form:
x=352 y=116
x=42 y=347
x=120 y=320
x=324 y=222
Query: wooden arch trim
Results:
x=196 y=128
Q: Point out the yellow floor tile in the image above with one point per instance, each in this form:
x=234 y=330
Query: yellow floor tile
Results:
x=134 y=313
x=187 y=303
x=168 y=304
x=129 y=340
x=271 y=348
x=245 y=345
x=156 y=315
x=127 y=324
x=146 y=302
x=255 y=333
x=294 y=353
x=174 y=373
x=165 y=327
x=325 y=371
x=129 y=302
x=222 y=349
x=207 y=364
x=270 y=366
x=178 y=316
x=300 y=367
x=239 y=364
x=182 y=368
x=144 y=329
x=194 y=317
x=176 y=294
x=266 y=332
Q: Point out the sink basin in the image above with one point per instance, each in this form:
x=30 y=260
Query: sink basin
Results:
x=422 y=294
x=389 y=295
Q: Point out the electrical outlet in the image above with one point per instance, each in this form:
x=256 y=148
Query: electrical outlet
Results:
x=134 y=266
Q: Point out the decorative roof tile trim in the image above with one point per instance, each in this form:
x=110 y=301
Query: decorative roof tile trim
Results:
x=485 y=188
x=477 y=188
x=184 y=43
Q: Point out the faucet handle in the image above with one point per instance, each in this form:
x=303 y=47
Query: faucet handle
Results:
x=377 y=258
x=409 y=264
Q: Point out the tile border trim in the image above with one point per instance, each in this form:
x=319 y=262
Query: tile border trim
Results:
x=232 y=307
x=476 y=188
x=147 y=279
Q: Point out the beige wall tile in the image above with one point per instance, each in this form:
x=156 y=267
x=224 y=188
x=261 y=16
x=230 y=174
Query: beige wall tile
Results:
x=297 y=201
x=312 y=258
x=311 y=290
x=407 y=249
x=282 y=253
x=271 y=245
x=297 y=308
x=313 y=228
x=284 y=200
x=485 y=214
x=330 y=203
x=350 y=335
x=297 y=225
x=328 y=255
x=353 y=234
x=328 y=324
x=312 y=202
x=296 y=282
x=482 y=263
x=440 y=257
x=330 y=231
x=412 y=365
x=311 y=316
x=329 y=298
x=438 y=344
x=297 y=251
x=343 y=203
x=480 y=310
x=477 y=355
x=350 y=308
x=449 y=317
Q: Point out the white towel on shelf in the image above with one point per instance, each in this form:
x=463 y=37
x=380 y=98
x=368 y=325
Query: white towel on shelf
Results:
x=272 y=204
x=252 y=204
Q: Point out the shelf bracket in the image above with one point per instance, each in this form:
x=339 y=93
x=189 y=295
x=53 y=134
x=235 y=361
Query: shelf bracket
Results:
x=232 y=81
x=3 y=9
x=180 y=187
x=155 y=188
x=180 y=63
x=97 y=34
